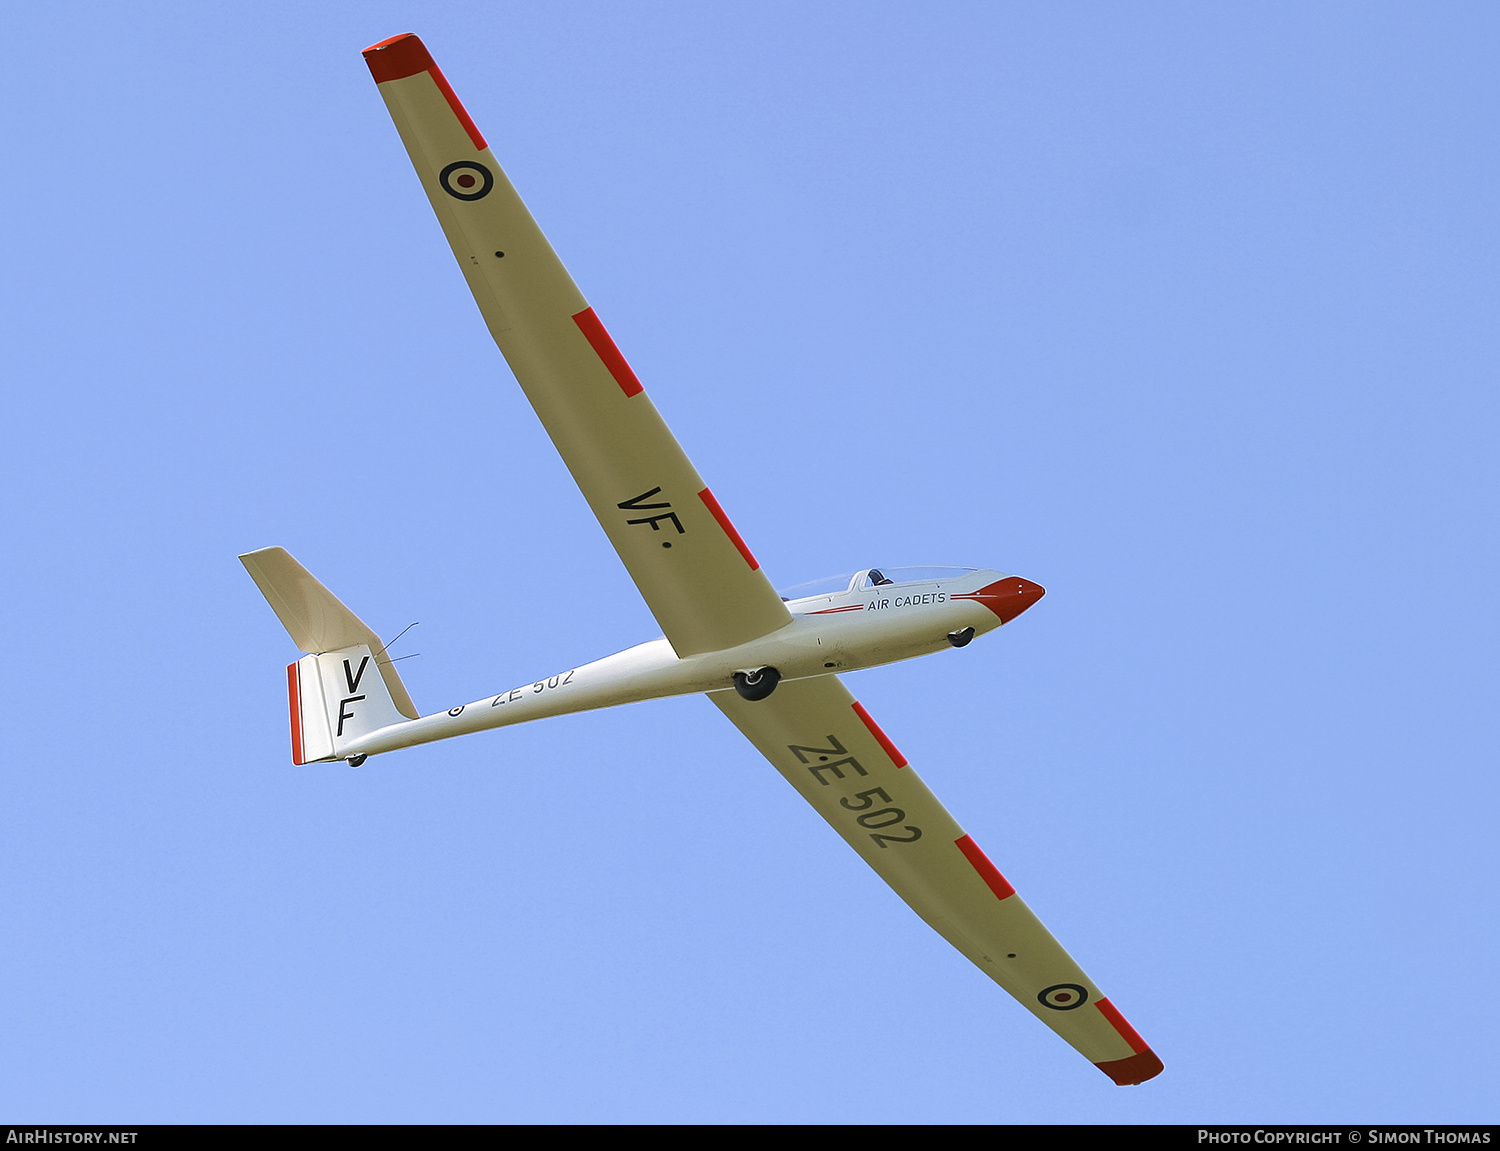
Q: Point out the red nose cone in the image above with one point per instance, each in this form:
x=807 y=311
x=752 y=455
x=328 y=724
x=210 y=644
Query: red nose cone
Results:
x=1009 y=597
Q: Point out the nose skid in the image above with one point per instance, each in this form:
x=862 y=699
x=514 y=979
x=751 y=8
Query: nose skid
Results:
x=1007 y=597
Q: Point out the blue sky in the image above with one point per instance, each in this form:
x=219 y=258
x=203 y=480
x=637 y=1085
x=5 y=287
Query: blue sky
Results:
x=1186 y=312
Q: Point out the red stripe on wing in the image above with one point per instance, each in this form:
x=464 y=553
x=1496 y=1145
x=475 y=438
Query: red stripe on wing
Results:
x=405 y=55
x=987 y=870
x=1127 y=1032
x=605 y=349
x=890 y=748
x=734 y=537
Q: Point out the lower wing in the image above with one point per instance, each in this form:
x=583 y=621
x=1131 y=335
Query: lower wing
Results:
x=832 y=752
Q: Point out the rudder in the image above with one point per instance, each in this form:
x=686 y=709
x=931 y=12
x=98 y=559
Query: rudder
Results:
x=334 y=700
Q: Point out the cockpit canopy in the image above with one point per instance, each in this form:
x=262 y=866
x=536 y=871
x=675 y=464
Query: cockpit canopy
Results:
x=870 y=578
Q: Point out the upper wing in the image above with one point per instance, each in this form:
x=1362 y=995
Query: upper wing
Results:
x=696 y=575
x=831 y=751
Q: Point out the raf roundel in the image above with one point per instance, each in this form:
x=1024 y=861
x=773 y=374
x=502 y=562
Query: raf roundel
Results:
x=1063 y=996
x=466 y=180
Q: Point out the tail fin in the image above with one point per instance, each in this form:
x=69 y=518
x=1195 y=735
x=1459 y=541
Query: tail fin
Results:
x=334 y=701
x=326 y=716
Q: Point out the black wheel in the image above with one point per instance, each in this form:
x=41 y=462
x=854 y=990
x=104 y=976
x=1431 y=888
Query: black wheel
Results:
x=756 y=684
x=961 y=637
x=356 y=760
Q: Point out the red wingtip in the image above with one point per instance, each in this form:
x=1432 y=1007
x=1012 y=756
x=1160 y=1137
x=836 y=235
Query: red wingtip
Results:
x=397 y=58
x=1137 y=1069
x=404 y=55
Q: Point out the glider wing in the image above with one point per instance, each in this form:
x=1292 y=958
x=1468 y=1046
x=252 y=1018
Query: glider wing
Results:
x=833 y=753
x=695 y=573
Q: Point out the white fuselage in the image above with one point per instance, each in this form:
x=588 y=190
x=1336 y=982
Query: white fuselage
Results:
x=859 y=627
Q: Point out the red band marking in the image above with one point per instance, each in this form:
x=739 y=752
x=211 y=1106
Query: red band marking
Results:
x=734 y=537
x=458 y=109
x=836 y=610
x=890 y=748
x=1127 y=1032
x=1135 y=1069
x=987 y=870
x=404 y=55
x=397 y=58
x=294 y=694
x=605 y=349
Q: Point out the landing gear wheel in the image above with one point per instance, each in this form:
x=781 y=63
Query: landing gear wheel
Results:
x=757 y=684
x=356 y=760
x=961 y=637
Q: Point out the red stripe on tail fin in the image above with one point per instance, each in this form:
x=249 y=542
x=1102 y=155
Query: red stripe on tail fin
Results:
x=605 y=349
x=734 y=537
x=294 y=693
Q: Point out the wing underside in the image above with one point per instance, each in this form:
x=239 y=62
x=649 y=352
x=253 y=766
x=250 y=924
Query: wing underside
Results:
x=833 y=753
x=703 y=584
x=699 y=579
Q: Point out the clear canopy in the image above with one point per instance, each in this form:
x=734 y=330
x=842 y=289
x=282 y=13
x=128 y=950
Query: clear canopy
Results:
x=871 y=577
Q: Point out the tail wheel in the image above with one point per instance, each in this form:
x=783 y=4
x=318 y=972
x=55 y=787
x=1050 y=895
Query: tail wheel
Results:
x=757 y=684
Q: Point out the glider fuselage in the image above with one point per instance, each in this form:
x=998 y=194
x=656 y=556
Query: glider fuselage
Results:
x=866 y=624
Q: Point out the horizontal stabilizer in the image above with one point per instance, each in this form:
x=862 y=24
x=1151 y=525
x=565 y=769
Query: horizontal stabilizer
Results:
x=314 y=617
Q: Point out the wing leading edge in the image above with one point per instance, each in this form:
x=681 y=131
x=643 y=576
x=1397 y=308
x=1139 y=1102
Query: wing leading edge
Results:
x=693 y=570
x=834 y=754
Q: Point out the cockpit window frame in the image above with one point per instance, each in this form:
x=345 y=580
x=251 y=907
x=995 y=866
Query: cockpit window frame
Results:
x=858 y=582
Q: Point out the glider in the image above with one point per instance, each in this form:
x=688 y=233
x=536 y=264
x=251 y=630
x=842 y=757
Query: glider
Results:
x=769 y=663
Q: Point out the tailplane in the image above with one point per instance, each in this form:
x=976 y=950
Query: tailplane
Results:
x=346 y=687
